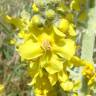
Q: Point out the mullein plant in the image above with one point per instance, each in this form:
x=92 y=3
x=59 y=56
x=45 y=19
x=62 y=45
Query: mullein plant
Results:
x=46 y=41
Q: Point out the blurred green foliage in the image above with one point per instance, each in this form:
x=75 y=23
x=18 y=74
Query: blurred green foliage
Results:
x=12 y=72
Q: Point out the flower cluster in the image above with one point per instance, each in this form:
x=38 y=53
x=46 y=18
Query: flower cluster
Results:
x=47 y=42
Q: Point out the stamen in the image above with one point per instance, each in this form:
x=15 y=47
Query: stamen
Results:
x=46 y=45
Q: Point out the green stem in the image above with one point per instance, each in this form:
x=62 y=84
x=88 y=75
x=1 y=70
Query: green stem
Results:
x=88 y=41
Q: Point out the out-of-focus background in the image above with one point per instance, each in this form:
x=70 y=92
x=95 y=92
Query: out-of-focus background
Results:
x=12 y=72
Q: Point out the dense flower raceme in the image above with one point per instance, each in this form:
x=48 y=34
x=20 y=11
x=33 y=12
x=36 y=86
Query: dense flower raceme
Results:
x=49 y=50
x=48 y=45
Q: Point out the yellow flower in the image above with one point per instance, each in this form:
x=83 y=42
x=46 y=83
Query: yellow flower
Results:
x=88 y=70
x=49 y=47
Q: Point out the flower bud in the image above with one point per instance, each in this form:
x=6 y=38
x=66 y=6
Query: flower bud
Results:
x=50 y=14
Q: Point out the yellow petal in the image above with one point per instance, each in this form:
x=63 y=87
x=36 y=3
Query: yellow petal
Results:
x=71 y=30
x=62 y=76
x=68 y=50
x=92 y=80
x=63 y=25
x=34 y=71
x=58 y=32
x=44 y=59
x=30 y=50
x=77 y=85
x=33 y=80
x=67 y=86
x=76 y=61
x=54 y=65
x=52 y=78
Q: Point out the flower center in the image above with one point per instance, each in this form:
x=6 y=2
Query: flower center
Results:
x=46 y=45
